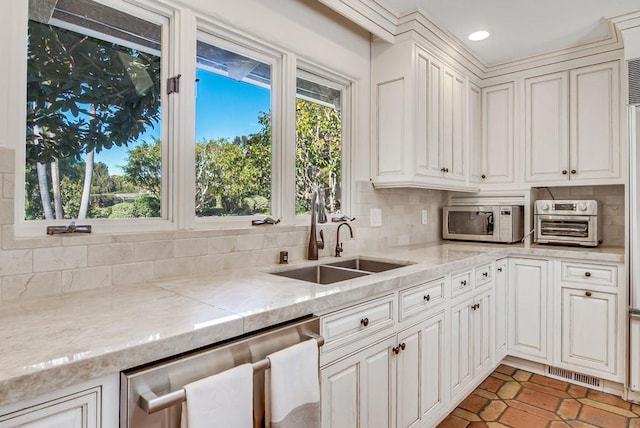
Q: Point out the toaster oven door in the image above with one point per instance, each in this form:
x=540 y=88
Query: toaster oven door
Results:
x=564 y=229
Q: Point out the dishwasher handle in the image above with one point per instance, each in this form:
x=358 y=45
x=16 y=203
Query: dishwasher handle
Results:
x=151 y=403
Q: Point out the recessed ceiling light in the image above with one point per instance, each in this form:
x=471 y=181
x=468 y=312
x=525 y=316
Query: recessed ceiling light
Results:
x=476 y=36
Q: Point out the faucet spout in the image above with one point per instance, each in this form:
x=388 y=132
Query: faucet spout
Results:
x=314 y=244
x=339 y=248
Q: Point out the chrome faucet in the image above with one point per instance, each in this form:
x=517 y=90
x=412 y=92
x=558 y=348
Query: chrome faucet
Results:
x=339 y=248
x=314 y=244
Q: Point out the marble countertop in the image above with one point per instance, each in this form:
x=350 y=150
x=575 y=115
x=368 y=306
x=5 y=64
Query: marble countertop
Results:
x=50 y=343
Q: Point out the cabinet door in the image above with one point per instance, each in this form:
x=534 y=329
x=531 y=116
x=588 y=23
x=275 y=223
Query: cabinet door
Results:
x=589 y=330
x=500 y=313
x=475 y=134
x=528 y=309
x=80 y=410
x=461 y=337
x=454 y=126
x=357 y=391
x=595 y=111
x=482 y=334
x=428 y=115
x=497 y=134
x=546 y=128
x=420 y=366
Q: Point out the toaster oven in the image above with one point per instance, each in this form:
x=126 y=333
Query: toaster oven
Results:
x=568 y=222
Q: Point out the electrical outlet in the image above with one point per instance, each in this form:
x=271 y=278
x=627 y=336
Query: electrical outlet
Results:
x=425 y=216
x=376 y=217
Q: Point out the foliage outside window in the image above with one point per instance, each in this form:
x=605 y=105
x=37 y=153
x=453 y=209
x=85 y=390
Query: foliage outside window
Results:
x=318 y=145
x=93 y=99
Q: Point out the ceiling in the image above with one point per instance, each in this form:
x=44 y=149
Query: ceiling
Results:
x=519 y=28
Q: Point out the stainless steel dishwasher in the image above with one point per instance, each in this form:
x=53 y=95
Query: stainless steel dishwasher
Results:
x=151 y=396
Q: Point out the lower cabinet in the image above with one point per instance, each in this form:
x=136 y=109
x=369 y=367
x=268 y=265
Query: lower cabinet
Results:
x=529 y=318
x=471 y=352
x=397 y=382
x=501 y=304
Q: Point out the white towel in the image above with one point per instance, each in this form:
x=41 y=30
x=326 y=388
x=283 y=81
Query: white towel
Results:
x=294 y=388
x=222 y=400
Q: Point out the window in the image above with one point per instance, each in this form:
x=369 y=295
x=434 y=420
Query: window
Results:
x=93 y=126
x=233 y=133
x=318 y=142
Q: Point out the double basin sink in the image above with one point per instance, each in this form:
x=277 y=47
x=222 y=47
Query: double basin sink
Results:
x=329 y=273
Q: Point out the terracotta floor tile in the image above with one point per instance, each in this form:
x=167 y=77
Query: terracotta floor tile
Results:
x=635 y=408
x=453 y=422
x=477 y=425
x=546 y=389
x=505 y=370
x=496 y=425
x=504 y=377
x=559 y=424
x=577 y=391
x=547 y=381
x=473 y=403
x=568 y=409
x=486 y=394
x=493 y=410
x=607 y=407
x=521 y=376
x=608 y=399
x=602 y=418
x=538 y=399
x=509 y=390
x=466 y=415
x=491 y=384
x=634 y=423
x=546 y=414
x=580 y=424
x=519 y=419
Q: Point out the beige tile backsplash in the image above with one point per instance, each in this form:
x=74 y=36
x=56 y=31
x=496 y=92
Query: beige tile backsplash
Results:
x=51 y=265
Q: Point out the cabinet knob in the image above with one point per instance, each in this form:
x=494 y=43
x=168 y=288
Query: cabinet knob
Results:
x=427 y=297
x=573 y=171
x=499 y=269
x=402 y=346
x=588 y=294
x=483 y=176
x=485 y=274
x=564 y=172
x=364 y=321
x=441 y=169
x=399 y=348
x=463 y=283
x=587 y=274
x=446 y=170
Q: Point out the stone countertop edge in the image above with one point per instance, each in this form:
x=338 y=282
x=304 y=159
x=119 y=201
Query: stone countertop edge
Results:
x=429 y=261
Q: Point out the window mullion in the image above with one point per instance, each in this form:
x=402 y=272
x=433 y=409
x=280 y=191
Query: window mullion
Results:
x=287 y=142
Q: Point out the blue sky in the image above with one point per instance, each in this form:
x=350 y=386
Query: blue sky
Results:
x=224 y=108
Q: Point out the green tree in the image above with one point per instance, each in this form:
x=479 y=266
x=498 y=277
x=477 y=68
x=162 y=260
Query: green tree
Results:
x=143 y=167
x=85 y=95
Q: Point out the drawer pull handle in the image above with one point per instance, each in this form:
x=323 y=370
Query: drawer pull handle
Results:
x=587 y=274
x=364 y=321
x=427 y=297
x=485 y=274
x=588 y=294
x=463 y=283
x=499 y=269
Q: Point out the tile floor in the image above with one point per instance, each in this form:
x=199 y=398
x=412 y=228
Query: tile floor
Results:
x=519 y=399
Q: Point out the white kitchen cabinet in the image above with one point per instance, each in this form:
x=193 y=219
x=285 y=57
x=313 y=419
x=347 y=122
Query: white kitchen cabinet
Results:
x=357 y=390
x=528 y=313
x=572 y=126
x=501 y=305
x=471 y=353
x=420 y=135
x=91 y=404
x=589 y=332
x=475 y=133
x=420 y=362
x=498 y=134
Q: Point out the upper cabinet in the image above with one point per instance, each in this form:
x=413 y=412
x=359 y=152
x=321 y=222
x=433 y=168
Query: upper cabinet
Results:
x=420 y=119
x=572 y=123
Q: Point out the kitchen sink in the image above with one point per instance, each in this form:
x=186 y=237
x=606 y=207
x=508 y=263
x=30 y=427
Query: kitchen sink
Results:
x=343 y=270
x=367 y=265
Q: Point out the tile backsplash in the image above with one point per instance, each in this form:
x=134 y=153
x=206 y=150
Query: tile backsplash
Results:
x=51 y=265
x=613 y=207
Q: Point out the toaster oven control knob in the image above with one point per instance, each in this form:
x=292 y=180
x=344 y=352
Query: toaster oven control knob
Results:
x=582 y=207
x=545 y=207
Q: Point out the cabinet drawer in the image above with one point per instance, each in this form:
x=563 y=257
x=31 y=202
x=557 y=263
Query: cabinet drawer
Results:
x=460 y=283
x=589 y=273
x=483 y=275
x=421 y=298
x=357 y=322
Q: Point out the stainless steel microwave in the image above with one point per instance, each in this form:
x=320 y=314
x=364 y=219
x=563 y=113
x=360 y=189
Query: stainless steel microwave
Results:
x=490 y=223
